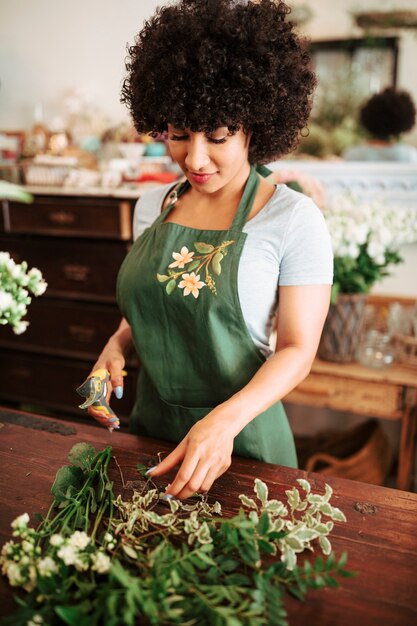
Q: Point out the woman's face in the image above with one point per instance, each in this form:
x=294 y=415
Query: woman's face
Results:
x=210 y=161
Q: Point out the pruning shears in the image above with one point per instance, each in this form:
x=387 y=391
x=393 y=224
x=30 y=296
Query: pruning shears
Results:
x=95 y=389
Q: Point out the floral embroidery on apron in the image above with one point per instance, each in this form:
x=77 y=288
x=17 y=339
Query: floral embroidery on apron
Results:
x=209 y=258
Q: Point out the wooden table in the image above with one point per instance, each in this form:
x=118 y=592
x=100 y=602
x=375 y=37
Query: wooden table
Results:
x=389 y=393
x=379 y=536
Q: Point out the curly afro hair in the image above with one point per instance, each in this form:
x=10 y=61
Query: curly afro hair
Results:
x=388 y=114
x=201 y=64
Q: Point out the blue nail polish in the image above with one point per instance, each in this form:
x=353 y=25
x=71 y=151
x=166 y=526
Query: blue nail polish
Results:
x=167 y=496
x=118 y=392
x=151 y=469
x=112 y=420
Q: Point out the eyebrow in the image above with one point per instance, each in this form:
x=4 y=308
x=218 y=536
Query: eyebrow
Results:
x=225 y=129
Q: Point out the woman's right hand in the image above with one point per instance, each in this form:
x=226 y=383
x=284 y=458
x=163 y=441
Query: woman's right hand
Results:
x=112 y=359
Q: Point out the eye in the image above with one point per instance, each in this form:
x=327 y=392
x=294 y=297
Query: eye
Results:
x=178 y=137
x=213 y=140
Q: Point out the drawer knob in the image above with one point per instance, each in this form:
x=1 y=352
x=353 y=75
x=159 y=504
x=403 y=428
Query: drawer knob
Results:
x=63 y=218
x=83 y=334
x=79 y=273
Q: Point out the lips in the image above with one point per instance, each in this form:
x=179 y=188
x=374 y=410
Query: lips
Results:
x=200 y=178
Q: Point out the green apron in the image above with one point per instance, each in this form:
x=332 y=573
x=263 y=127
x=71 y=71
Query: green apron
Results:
x=177 y=288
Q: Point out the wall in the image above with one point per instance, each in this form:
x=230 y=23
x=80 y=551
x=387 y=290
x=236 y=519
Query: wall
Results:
x=49 y=47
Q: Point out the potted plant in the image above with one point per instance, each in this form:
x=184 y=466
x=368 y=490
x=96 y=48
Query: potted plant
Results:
x=366 y=236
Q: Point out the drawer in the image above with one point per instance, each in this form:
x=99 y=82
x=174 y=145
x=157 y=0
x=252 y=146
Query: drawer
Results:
x=51 y=382
x=63 y=327
x=68 y=217
x=72 y=268
x=379 y=399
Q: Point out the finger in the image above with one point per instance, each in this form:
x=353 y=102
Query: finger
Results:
x=116 y=377
x=109 y=421
x=212 y=475
x=184 y=474
x=169 y=461
x=196 y=481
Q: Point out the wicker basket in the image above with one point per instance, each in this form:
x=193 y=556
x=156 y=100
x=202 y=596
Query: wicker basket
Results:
x=405 y=347
x=362 y=453
x=342 y=328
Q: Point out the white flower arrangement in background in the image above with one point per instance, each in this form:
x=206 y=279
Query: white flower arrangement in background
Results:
x=366 y=236
x=17 y=285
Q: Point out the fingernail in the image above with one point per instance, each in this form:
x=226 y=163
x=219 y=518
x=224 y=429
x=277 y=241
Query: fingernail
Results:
x=151 y=469
x=167 y=496
x=119 y=392
x=113 y=419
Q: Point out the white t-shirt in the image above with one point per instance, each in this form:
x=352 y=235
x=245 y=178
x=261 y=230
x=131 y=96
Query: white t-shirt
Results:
x=287 y=244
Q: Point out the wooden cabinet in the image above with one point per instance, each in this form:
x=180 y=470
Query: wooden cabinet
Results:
x=78 y=243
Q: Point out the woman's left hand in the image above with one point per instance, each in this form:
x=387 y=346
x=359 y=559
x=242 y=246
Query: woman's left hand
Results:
x=205 y=452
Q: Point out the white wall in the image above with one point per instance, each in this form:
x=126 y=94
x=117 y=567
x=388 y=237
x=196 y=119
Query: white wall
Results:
x=48 y=47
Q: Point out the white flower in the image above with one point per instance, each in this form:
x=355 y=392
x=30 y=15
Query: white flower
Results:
x=27 y=546
x=101 y=562
x=7 y=548
x=4 y=258
x=79 y=539
x=13 y=573
x=47 y=566
x=56 y=540
x=181 y=258
x=39 y=288
x=16 y=271
x=20 y=522
x=81 y=563
x=68 y=554
x=20 y=327
x=35 y=621
x=6 y=300
x=191 y=284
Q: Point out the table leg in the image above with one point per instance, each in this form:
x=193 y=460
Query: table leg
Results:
x=408 y=440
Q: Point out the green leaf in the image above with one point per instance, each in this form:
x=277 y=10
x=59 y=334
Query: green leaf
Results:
x=203 y=248
x=82 y=455
x=171 y=286
x=68 y=478
x=216 y=263
x=142 y=469
x=72 y=615
x=343 y=560
x=193 y=266
x=264 y=523
x=261 y=490
x=162 y=277
x=248 y=502
x=304 y=484
x=229 y=565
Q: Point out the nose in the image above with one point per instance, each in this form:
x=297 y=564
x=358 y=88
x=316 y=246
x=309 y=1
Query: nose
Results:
x=197 y=152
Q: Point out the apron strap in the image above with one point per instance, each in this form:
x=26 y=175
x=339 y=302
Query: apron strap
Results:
x=173 y=194
x=247 y=200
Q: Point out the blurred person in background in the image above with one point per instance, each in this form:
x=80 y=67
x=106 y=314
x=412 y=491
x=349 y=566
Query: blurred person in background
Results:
x=385 y=117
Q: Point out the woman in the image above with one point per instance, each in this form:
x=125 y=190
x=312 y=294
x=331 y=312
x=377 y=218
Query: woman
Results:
x=230 y=84
x=385 y=117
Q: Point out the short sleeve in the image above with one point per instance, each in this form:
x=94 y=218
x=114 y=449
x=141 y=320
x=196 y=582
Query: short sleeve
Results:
x=307 y=257
x=147 y=209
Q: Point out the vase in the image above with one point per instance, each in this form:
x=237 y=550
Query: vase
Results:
x=342 y=328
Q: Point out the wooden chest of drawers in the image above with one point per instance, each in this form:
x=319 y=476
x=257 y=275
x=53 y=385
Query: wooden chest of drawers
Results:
x=78 y=243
